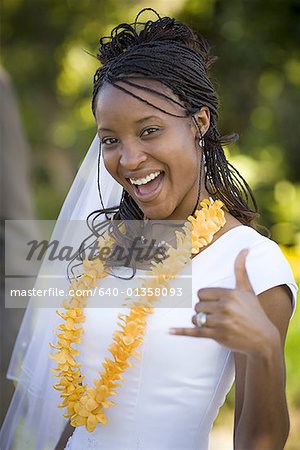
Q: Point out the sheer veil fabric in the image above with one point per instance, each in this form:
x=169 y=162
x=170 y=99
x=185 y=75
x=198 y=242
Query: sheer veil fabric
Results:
x=33 y=420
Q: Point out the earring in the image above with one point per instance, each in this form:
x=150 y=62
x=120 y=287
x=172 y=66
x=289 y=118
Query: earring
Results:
x=201 y=140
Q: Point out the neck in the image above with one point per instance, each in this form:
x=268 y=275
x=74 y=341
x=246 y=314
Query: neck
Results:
x=184 y=213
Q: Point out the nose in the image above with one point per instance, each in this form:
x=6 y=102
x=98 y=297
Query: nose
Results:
x=132 y=155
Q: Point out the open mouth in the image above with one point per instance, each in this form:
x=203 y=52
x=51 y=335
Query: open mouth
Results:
x=146 y=188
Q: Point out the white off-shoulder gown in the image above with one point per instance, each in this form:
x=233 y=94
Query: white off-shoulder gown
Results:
x=170 y=397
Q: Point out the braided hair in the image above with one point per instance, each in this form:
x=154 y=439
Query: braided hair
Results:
x=168 y=51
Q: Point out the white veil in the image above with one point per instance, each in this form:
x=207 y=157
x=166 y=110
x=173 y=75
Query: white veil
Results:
x=33 y=420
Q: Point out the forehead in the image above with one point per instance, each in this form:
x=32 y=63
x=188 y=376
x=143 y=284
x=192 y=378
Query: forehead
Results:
x=113 y=102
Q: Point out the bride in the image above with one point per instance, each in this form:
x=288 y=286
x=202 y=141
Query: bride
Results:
x=160 y=159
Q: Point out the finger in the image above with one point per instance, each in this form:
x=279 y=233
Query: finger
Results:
x=241 y=276
x=192 y=332
x=207 y=307
x=213 y=294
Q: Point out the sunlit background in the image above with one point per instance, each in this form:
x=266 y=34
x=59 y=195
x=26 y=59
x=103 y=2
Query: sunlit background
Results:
x=47 y=48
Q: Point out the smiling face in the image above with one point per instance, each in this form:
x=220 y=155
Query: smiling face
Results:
x=153 y=155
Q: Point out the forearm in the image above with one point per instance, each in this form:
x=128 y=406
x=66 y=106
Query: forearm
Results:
x=264 y=420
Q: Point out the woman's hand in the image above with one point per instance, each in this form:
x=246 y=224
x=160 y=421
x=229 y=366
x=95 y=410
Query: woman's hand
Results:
x=235 y=317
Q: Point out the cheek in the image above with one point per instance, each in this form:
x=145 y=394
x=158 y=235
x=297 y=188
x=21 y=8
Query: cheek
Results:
x=110 y=162
x=185 y=163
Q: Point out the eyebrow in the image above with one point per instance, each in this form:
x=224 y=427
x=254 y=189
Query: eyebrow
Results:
x=143 y=119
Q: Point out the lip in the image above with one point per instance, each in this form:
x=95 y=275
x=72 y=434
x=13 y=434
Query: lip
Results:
x=148 y=197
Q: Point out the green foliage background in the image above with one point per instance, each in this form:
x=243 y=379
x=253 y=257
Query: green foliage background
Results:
x=45 y=45
x=45 y=49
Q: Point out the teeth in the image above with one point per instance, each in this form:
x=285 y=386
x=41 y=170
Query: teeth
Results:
x=148 y=178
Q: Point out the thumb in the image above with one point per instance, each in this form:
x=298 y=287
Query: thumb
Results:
x=241 y=276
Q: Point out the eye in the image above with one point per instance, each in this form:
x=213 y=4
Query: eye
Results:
x=149 y=131
x=108 y=141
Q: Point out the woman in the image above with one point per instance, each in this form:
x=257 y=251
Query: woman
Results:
x=156 y=113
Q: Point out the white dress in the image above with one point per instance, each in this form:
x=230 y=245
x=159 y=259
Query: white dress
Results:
x=170 y=397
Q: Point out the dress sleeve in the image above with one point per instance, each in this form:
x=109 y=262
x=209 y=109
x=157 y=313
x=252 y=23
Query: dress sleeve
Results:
x=267 y=267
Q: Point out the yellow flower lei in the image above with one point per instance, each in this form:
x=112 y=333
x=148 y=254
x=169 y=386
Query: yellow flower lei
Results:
x=85 y=405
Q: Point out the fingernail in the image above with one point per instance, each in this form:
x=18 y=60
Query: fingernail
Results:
x=172 y=331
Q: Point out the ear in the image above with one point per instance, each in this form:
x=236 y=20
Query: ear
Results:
x=201 y=121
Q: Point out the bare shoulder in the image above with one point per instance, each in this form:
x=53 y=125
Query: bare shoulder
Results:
x=231 y=222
